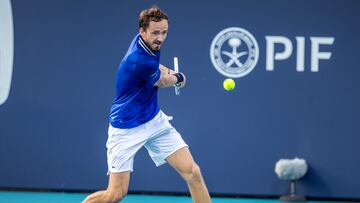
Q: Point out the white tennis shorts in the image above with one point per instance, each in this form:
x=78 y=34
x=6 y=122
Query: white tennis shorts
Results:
x=158 y=136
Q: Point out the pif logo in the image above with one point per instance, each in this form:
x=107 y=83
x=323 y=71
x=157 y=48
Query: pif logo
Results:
x=234 y=52
x=6 y=49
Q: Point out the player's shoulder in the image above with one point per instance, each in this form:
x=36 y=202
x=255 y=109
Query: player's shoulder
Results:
x=136 y=60
x=142 y=58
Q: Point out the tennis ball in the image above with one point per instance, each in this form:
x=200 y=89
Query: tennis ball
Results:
x=229 y=84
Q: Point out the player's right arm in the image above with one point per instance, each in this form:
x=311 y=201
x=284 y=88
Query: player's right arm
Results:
x=169 y=78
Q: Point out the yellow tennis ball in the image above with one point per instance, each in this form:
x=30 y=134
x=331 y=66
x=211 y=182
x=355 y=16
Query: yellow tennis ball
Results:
x=229 y=84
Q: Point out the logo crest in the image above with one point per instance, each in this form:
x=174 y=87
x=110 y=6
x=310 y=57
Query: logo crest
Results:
x=234 y=52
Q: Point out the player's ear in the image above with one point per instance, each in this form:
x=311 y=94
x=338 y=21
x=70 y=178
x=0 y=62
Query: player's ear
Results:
x=142 y=32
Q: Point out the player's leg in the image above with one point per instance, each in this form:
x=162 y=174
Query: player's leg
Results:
x=116 y=191
x=122 y=145
x=184 y=164
x=167 y=145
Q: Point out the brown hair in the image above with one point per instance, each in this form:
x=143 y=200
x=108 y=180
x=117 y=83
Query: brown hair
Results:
x=153 y=13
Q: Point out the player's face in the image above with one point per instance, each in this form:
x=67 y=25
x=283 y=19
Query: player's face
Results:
x=155 y=35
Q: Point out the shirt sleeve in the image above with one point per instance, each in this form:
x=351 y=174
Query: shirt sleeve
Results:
x=149 y=71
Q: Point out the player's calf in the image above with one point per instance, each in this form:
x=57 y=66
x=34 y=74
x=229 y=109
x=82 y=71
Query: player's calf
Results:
x=114 y=197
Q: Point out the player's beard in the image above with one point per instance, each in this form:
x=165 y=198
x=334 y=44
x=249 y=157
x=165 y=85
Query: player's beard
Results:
x=156 y=45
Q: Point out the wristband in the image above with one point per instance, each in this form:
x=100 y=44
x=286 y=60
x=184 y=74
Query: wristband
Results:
x=179 y=77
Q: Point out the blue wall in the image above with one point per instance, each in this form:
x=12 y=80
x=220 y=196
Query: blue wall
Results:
x=53 y=127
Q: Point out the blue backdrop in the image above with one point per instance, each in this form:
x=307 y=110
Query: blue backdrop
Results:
x=53 y=127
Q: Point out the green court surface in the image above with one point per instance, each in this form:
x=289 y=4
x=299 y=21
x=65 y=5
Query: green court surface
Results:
x=58 y=197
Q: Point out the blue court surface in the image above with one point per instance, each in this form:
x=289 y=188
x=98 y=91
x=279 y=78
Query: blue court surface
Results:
x=58 y=197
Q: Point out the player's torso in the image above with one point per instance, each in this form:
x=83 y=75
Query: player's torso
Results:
x=135 y=101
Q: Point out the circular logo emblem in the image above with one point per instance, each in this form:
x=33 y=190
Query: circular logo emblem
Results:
x=234 y=52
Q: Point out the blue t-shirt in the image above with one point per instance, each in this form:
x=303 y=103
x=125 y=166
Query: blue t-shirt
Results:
x=136 y=100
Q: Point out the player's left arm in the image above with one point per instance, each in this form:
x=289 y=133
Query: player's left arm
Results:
x=170 y=78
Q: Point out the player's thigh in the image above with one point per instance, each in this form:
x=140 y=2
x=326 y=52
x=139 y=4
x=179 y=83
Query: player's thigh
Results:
x=119 y=182
x=182 y=161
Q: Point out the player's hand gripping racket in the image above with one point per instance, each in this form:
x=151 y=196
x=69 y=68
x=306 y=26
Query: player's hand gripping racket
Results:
x=176 y=69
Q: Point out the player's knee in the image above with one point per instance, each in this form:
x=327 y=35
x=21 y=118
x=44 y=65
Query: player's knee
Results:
x=194 y=174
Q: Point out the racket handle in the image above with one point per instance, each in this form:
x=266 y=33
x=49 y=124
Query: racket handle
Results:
x=176 y=69
x=177 y=91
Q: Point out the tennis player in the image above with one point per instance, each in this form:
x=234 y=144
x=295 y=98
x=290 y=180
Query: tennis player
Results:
x=136 y=119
